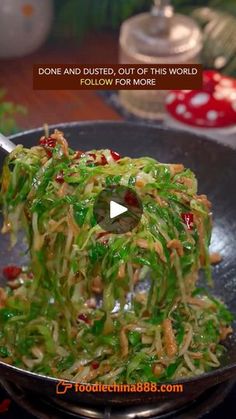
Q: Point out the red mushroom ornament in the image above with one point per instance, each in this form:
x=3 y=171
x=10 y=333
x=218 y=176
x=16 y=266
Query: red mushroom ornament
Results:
x=211 y=110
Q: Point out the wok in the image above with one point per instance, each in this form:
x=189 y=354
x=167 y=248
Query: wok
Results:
x=215 y=167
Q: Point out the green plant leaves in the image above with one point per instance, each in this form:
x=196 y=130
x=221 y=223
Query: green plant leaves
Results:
x=8 y=112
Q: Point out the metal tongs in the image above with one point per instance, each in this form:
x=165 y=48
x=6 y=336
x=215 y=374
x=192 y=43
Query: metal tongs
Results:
x=6 y=145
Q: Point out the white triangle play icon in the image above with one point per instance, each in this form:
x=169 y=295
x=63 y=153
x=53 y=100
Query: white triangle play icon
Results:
x=116 y=209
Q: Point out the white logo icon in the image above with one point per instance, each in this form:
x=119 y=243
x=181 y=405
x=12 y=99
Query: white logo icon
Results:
x=116 y=209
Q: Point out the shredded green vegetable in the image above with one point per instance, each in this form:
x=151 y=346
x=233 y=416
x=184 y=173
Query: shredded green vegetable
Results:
x=79 y=311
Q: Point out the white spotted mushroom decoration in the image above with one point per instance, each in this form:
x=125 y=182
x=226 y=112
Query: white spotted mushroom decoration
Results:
x=212 y=107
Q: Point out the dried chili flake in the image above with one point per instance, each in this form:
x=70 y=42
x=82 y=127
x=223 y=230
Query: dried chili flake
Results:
x=11 y=272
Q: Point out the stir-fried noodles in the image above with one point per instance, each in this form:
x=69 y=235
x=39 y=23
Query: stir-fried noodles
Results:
x=78 y=311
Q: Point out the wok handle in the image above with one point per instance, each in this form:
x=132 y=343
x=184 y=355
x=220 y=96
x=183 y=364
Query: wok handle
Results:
x=6 y=145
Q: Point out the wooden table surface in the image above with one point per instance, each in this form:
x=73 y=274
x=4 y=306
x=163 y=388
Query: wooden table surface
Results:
x=54 y=107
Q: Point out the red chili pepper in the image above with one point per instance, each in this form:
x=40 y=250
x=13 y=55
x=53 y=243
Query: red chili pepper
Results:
x=130 y=199
x=48 y=143
x=84 y=318
x=4 y=406
x=11 y=272
x=115 y=155
x=103 y=160
x=95 y=365
x=49 y=153
x=188 y=220
x=60 y=177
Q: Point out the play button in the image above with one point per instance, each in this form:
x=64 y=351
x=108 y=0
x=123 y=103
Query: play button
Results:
x=117 y=209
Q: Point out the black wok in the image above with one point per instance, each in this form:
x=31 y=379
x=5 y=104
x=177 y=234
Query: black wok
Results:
x=215 y=166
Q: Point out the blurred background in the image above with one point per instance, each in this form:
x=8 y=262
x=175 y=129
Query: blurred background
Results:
x=89 y=31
